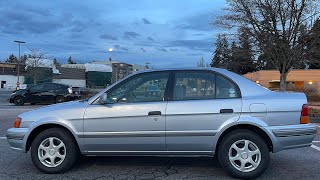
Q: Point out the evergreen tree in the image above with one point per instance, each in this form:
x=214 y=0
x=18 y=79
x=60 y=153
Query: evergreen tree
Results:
x=12 y=59
x=56 y=62
x=70 y=61
x=24 y=59
x=313 y=46
x=220 y=57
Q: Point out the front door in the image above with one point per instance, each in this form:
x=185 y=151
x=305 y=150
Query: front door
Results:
x=133 y=121
x=202 y=101
x=33 y=95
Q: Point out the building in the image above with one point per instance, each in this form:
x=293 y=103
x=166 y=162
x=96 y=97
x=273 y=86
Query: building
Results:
x=8 y=75
x=297 y=78
x=69 y=76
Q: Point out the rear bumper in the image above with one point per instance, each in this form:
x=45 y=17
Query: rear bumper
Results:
x=16 y=137
x=292 y=136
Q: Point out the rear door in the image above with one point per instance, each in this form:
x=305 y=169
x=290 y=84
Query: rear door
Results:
x=201 y=102
x=48 y=92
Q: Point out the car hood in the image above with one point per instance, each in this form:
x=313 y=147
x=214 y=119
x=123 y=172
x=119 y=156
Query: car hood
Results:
x=73 y=110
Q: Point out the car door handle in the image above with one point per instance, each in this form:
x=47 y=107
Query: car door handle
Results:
x=154 y=113
x=226 y=110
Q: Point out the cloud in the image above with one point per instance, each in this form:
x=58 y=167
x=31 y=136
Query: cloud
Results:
x=146 y=21
x=143 y=50
x=199 y=22
x=130 y=35
x=203 y=45
x=163 y=49
x=109 y=37
x=150 y=38
x=118 y=47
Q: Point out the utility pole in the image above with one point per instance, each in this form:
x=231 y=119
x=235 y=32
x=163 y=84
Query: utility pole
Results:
x=19 y=59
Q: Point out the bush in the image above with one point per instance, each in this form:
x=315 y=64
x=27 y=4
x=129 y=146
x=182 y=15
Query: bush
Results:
x=312 y=93
x=314 y=112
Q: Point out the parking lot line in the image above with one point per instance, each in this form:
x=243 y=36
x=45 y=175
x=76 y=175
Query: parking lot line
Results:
x=3 y=137
x=315 y=147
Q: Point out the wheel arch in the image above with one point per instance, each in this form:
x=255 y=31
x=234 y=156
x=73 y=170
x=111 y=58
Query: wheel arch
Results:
x=44 y=127
x=250 y=127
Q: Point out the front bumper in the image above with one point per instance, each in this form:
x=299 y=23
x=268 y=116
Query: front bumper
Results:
x=292 y=136
x=17 y=138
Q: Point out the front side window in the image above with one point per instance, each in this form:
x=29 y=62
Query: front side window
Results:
x=37 y=88
x=147 y=87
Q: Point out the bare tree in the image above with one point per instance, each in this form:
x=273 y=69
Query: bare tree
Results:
x=35 y=61
x=278 y=27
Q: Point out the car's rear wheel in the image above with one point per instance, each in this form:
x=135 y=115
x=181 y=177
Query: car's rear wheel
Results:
x=60 y=99
x=18 y=101
x=54 y=151
x=243 y=154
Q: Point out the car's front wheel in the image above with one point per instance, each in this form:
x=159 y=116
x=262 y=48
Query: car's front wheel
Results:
x=243 y=154
x=18 y=101
x=60 y=99
x=54 y=151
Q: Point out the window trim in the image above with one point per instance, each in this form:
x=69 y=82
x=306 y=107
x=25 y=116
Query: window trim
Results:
x=165 y=96
x=206 y=71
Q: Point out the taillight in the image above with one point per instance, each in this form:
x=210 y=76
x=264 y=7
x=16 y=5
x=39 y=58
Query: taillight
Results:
x=304 y=119
x=17 y=122
x=70 y=90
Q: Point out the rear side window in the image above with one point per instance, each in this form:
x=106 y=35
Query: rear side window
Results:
x=50 y=87
x=203 y=85
x=225 y=88
x=194 y=85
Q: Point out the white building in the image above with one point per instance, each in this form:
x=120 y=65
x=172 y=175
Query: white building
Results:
x=8 y=76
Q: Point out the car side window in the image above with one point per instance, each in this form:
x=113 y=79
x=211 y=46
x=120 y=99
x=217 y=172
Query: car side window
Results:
x=48 y=87
x=147 y=87
x=37 y=88
x=226 y=88
x=194 y=86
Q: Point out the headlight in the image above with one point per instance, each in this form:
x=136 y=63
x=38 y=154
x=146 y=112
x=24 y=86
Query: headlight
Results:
x=17 y=122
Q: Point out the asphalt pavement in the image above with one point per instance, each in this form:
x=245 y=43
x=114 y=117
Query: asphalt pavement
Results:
x=300 y=163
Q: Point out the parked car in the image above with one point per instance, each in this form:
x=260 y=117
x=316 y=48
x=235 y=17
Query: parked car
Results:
x=43 y=93
x=200 y=112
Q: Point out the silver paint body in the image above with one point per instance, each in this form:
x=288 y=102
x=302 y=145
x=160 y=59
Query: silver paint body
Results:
x=191 y=127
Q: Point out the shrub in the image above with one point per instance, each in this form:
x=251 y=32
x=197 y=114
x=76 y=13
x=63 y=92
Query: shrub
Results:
x=312 y=93
x=314 y=112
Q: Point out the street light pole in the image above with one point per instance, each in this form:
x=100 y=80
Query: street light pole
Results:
x=19 y=59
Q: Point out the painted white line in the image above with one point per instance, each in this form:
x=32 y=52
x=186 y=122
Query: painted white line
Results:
x=315 y=147
x=3 y=137
x=316 y=141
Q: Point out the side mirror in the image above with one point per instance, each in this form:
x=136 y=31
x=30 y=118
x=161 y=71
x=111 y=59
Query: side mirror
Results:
x=103 y=98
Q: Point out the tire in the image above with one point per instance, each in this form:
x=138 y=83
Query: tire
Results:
x=231 y=158
x=60 y=99
x=64 y=155
x=18 y=101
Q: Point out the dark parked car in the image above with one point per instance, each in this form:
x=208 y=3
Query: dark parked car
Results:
x=46 y=92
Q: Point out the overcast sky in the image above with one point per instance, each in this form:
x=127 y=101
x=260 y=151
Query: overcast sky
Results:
x=165 y=33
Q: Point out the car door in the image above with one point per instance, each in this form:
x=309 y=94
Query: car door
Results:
x=201 y=102
x=133 y=121
x=33 y=94
x=48 y=92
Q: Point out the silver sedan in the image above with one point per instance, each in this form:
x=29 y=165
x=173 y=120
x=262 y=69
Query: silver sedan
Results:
x=202 y=112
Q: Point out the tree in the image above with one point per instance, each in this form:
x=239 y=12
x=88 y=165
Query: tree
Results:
x=56 y=62
x=70 y=61
x=202 y=63
x=263 y=63
x=34 y=63
x=277 y=26
x=24 y=59
x=313 y=46
x=241 y=56
x=12 y=59
x=220 y=57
